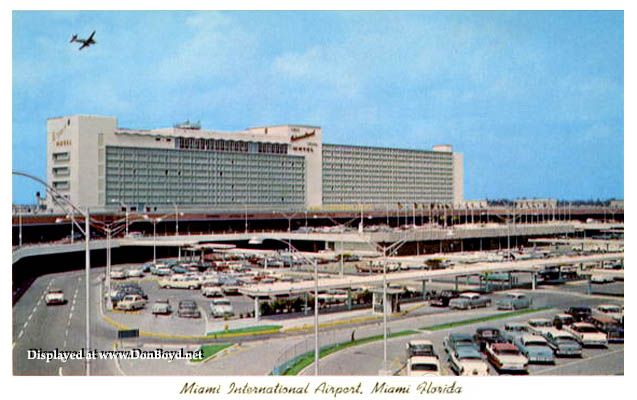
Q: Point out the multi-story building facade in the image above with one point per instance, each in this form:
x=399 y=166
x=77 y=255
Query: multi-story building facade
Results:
x=97 y=164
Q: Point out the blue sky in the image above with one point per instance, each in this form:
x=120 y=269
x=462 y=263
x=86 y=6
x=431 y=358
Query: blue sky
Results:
x=534 y=100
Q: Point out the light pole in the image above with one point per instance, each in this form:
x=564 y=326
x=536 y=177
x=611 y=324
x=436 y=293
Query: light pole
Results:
x=344 y=225
x=154 y=221
x=314 y=262
x=384 y=311
x=19 y=227
x=87 y=259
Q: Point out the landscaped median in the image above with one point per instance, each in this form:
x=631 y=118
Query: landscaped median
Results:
x=247 y=331
x=299 y=363
x=210 y=350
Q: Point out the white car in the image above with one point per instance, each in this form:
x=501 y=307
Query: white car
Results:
x=540 y=325
x=221 y=308
x=467 y=361
x=587 y=334
x=134 y=273
x=609 y=310
x=54 y=296
x=118 y=274
x=180 y=282
x=211 y=291
x=601 y=279
x=423 y=366
x=506 y=357
x=131 y=302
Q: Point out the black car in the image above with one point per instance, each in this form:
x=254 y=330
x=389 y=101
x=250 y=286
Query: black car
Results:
x=188 y=309
x=580 y=313
x=442 y=299
x=122 y=291
x=614 y=330
x=487 y=335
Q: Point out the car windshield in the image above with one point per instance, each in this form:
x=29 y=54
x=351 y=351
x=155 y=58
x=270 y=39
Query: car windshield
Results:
x=468 y=353
x=534 y=343
x=539 y=323
x=515 y=328
x=222 y=303
x=565 y=339
x=507 y=352
x=424 y=367
x=586 y=329
x=610 y=309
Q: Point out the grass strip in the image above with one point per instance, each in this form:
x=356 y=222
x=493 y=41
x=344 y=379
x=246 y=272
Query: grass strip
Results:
x=249 y=329
x=306 y=359
x=210 y=350
x=487 y=318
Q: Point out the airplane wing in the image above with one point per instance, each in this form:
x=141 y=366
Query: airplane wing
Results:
x=84 y=44
x=90 y=37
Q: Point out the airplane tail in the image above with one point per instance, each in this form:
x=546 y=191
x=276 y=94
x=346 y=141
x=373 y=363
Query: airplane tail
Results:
x=73 y=39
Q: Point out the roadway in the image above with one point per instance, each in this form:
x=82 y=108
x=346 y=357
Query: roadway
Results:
x=368 y=359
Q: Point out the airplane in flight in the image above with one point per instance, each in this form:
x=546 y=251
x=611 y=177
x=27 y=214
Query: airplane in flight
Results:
x=85 y=42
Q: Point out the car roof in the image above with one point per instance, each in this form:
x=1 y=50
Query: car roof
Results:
x=417 y=342
x=467 y=350
x=526 y=338
x=458 y=336
x=582 y=324
x=425 y=360
x=559 y=332
x=503 y=346
x=486 y=328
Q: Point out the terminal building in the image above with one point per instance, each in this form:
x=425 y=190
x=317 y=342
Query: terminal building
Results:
x=96 y=164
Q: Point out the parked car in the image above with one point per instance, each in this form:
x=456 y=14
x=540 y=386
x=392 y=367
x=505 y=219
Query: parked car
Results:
x=540 y=325
x=420 y=347
x=466 y=360
x=134 y=273
x=54 y=296
x=513 y=330
x=210 y=290
x=423 y=366
x=562 y=342
x=580 y=313
x=614 y=330
x=513 y=301
x=561 y=320
x=609 y=310
x=487 y=335
x=131 y=302
x=587 y=334
x=160 y=269
x=442 y=299
x=221 y=308
x=469 y=300
x=506 y=357
x=118 y=274
x=188 y=309
x=146 y=267
x=535 y=348
x=120 y=292
x=179 y=282
x=600 y=279
x=454 y=340
x=162 y=307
